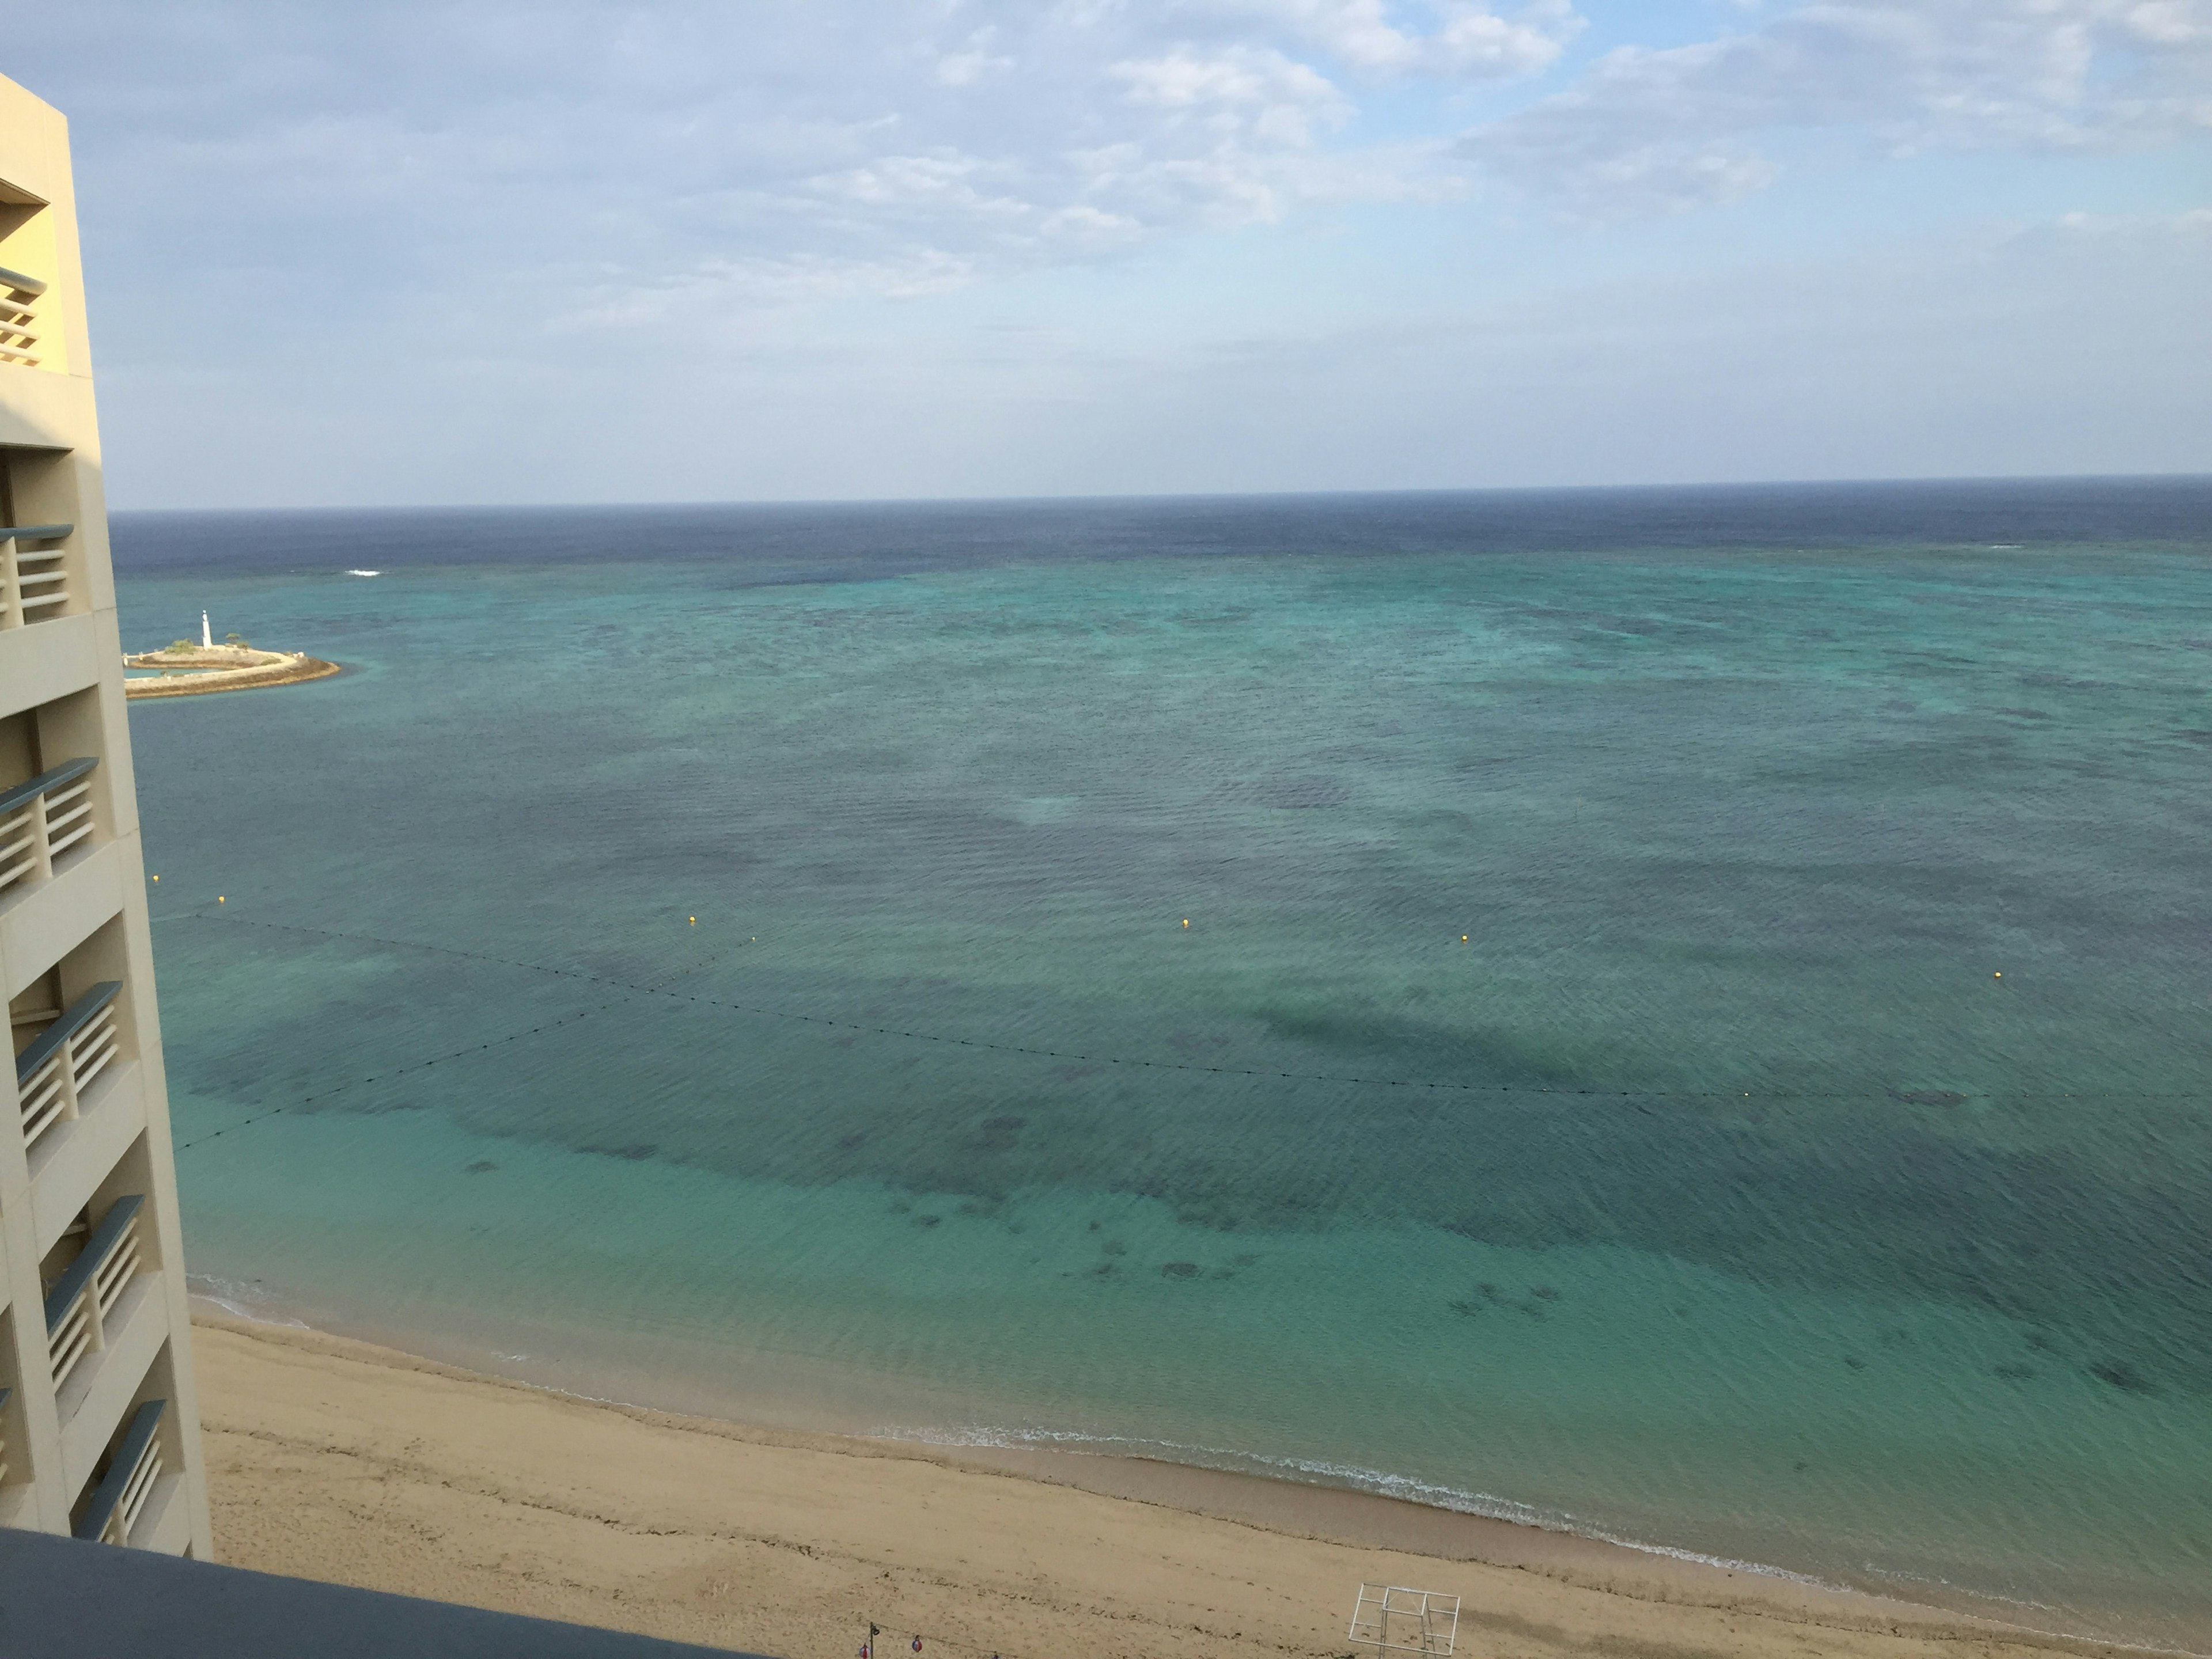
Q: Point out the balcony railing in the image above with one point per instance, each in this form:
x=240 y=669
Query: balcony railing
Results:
x=43 y=818
x=5 y=1395
x=18 y=318
x=123 y=1490
x=78 y=1306
x=34 y=584
x=52 y=1073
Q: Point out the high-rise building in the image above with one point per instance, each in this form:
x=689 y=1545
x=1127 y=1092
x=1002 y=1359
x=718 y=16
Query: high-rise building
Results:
x=99 y=1424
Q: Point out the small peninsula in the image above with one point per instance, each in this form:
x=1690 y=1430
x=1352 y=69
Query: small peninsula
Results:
x=186 y=670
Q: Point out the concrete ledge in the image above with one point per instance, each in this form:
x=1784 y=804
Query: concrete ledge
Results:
x=53 y=918
x=61 y=1598
x=71 y=1159
x=41 y=408
x=47 y=659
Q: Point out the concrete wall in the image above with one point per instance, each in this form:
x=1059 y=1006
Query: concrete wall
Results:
x=78 y=922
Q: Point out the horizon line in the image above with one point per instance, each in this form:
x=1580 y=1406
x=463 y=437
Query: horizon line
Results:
x=1074 y=498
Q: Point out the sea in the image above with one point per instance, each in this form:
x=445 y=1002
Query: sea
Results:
x=1683 y=1016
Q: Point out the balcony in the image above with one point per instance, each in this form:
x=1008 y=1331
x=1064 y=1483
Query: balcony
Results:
x=18 y=318
x=52 y=1074
x=81 y=1304
x=120 y=1499
x=5 y=1395
x=43 y=818
x=33 y=578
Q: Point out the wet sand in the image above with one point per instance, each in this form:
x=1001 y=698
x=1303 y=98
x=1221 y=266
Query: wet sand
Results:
x=335 y=1460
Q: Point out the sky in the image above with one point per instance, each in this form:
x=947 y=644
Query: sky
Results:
x=472 y=251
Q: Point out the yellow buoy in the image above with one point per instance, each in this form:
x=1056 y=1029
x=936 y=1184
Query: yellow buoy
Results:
x=1186 y=921
x=1463 y=938
x=1997 y=976
x=695 y=921
x=218 y=899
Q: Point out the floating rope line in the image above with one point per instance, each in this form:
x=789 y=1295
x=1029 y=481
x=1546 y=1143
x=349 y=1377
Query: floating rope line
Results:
x=425 y=1065
x=938 y=1037
x=1947 y=1097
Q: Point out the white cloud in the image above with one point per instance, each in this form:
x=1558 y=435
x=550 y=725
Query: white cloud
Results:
x=723 y=299
x=633 y=220
x=1659 y=129
x=1242 y=76
x=1091 y=227
x=2192 y=222
x=2038 y=350
x=536 y=148
x=968 y=66
x=1464 y=39
x=1238 y=91
x=946 y=181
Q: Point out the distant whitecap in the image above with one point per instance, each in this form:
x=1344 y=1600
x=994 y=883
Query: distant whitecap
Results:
x=364 y=573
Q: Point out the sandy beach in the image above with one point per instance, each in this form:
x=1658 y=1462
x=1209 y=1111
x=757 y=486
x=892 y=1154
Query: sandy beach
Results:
x=334 y=1460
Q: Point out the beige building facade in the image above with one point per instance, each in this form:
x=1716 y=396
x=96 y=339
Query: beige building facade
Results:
x=99 y=1424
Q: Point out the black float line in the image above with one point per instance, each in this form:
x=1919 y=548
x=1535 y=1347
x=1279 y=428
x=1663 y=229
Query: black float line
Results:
x=424 y=1065
x=1639 y=1095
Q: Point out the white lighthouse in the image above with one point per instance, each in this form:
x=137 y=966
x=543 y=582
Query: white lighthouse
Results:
x=207 y=634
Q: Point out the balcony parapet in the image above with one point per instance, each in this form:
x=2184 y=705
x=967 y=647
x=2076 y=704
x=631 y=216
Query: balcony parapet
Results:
x=86 y=1294
x=33 y=580
x=43 y=818
x=123 y=1491
x=53 y=1072
x=18 y=318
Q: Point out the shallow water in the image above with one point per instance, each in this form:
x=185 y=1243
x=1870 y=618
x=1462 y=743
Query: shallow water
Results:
x=1692 y=1022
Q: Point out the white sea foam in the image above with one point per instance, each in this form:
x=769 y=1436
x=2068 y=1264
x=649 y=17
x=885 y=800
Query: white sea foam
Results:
x=242 y=1299
x=1321 y=1472
x=364 y=573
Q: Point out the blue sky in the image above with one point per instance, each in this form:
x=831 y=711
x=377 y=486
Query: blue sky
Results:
x=478 y=252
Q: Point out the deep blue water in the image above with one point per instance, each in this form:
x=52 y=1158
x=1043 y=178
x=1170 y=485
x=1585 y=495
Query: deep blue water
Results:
x=1691 y=1021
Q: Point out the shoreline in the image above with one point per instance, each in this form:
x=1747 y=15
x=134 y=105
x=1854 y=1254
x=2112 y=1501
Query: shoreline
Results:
x=1269 y=1518
x=294 y=668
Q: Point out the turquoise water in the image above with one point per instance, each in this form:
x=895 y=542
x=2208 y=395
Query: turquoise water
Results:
x=1701 y=1044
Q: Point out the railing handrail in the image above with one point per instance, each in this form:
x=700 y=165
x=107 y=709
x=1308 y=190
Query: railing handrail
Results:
x=113 y=1485
x=73 y=1019
x=35 y=532
x=97 y=1249
x=68 y=771
x=20 y=284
